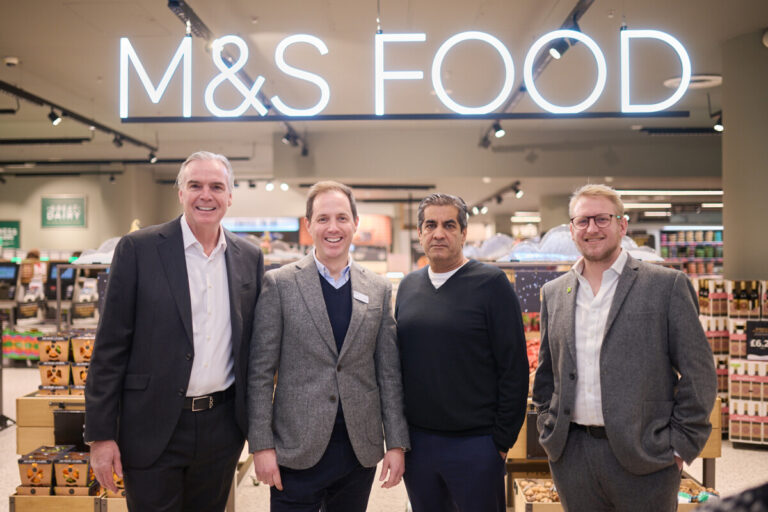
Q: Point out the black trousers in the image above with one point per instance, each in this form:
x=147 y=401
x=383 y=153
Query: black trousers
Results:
x=337 y=483
x=195 y=472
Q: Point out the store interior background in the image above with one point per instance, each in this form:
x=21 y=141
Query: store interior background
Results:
x=68 y=54
x=70 y=57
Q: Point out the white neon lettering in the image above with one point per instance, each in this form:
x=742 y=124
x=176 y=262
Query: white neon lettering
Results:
x=184 y=51
x=325 y=90
x=530 y=86
x=380 y=75
x=685 y=62
x=509 y=73
x=229 y=73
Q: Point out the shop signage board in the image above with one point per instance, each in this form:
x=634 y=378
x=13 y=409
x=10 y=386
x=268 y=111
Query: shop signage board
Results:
x=10 y=234
x=229 y=74
x=757 y=339
x=63 y=211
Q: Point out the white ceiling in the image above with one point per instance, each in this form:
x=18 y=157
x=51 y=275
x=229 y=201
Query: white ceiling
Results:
x=69 y=51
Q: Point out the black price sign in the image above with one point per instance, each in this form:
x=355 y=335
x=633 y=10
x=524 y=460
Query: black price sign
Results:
x=757 y=339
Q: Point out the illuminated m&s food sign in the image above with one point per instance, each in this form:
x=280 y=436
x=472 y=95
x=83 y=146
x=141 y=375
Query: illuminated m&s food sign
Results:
x=228 y=72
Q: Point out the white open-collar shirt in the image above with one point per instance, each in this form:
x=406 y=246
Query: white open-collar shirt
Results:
x=591 y=318
x=213 y=364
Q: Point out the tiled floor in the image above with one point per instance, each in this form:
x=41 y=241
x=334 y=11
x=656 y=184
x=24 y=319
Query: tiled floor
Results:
x=739 y=468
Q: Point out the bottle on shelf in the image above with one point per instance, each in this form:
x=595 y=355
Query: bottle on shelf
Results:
x=754 y=299
x=742 y=304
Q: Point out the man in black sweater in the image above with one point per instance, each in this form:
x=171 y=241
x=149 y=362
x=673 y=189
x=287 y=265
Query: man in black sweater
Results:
x=465 y=368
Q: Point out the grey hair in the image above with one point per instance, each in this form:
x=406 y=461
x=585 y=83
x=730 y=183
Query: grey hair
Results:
x=207 y=155
x=440 y=199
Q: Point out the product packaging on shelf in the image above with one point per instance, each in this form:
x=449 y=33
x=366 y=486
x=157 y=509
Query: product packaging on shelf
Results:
x=54 y=373
x=79 y=373
x=52 y=390
x=73 y=469
x=53 y=348
x=36 y=467
x=82 y=347
x=744 y=299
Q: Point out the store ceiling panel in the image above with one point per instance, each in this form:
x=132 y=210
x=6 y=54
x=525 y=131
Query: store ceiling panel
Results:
x=69 y=51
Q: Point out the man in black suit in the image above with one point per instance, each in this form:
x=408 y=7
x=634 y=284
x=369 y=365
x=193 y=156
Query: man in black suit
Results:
x=165 y=397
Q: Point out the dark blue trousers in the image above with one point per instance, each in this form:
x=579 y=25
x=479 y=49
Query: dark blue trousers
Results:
x=337 y=483
x=454 y=474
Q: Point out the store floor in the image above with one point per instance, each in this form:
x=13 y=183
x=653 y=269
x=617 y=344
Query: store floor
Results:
x=740 y=467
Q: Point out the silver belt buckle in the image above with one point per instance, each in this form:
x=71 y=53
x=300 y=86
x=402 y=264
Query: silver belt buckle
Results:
x=204 y=406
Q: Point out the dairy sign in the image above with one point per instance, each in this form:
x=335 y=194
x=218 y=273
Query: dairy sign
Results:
x=252 y=104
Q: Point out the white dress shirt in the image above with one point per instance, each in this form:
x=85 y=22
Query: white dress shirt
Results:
x=213 y=365
x=591 y=317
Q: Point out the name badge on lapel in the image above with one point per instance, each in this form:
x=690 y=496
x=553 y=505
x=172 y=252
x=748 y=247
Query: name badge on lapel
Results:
x=360 y=296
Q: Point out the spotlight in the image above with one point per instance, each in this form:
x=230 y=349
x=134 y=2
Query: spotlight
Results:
x=117 y=141
x=284 y=186
x=112 y=178
x=2 y=180
x=152 y=157
x=290 y=138
x=499 y=199
x=498 y=131
x=485 y=142
x=558 y=49
x=475 y=210
x=304 y=150
x=484 y=210
x=269 y=187
x=251 y=184
x=237 y=184
x=55 y=118
x=517 y=190
x=719 y=124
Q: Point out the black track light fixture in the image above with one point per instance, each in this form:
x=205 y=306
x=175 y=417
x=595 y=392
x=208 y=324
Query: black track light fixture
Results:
x=519 y=193
x=117 y=141
x=498 y=131
x=718 y=127
x=54 y=117
x=251 y=183
x=152 y=157
x=112 y=179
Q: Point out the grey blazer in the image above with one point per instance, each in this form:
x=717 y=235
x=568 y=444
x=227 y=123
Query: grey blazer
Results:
x=292 y=335
x=656 y=368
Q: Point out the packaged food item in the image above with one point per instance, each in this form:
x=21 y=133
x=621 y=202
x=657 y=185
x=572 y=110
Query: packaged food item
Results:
x=53 y=348
x=54 y=373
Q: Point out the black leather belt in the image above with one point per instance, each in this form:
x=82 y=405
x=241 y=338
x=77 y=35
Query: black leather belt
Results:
x=596 y=432
x=205 y=402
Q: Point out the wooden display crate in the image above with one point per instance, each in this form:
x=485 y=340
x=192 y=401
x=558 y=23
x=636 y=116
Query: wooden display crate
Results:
x=713 y=448
x=54 y=503
x=34 y=418
x=114 y=505
x=522 y=505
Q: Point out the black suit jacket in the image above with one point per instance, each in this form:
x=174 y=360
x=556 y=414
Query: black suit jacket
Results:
x=144 y=348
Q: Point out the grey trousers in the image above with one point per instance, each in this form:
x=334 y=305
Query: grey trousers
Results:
x=590 y=479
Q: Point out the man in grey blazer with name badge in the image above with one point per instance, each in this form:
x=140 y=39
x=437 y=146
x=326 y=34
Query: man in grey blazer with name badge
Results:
x=324 y=324
x=626 y=380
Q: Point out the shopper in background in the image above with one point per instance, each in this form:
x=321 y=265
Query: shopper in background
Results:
x=325 y=327
x=626 y=379
x=465 y=368
x=165 y=397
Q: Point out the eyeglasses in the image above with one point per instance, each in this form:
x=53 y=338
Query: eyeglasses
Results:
x=602 y=220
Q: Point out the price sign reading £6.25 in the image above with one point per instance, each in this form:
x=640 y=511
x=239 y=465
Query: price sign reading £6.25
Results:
x=63 y=211
x=757 y=340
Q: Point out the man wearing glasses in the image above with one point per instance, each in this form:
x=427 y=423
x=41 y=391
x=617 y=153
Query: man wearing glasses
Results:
x=626 y=379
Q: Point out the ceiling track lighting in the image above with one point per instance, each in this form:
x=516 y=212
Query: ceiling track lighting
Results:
x=112 y=178
x=270 y=186
x=92 y=124
x=498 y=131
x=54 y=117
x=498 y=196
x=195 y=26
x=718 y=126
x=117 y=141
x=571 y=22
x=152 y=157
x=284 y=186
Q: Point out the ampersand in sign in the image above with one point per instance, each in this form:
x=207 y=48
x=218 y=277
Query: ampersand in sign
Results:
x=229 y=73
